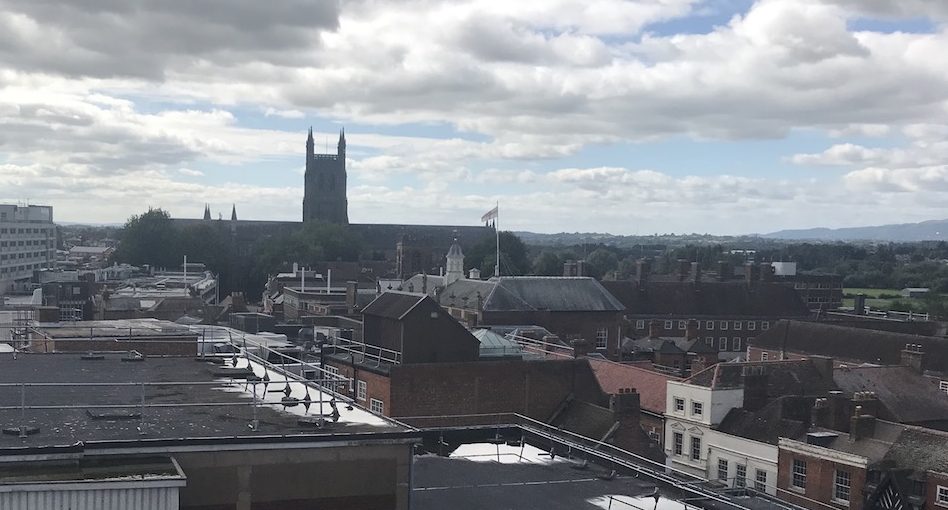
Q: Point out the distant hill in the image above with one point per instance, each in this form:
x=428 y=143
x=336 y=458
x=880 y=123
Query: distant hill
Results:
x=933 y=230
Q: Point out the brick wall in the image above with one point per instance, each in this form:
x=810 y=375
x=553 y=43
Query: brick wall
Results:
x=378 y=384
x=149 y=346
x=932 y=481
x=820 y=482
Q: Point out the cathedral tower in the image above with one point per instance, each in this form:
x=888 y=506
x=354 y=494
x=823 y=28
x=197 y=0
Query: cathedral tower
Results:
x=324 y=192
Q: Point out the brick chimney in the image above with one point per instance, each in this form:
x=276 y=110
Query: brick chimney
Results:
x=867 y=401
x=684 y=267
x=724 y=270
x=691 y=329
x=861 y=425
x=642 y=269
x=751 y=273
x=755 y=388
x=625 y=405
x=654 y=328
x=913 y=357
x=581 y=347
x=820 y=414
x=837 y=416
x=766 y=272
x=351 y=294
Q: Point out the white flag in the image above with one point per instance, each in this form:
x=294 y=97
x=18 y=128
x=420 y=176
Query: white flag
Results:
x=489 y=215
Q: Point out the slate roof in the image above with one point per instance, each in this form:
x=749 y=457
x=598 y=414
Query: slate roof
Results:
x=790 y=377
x=907 y=396
x=666 y=345
x=650 y=385
x=786 y=416
x=532 y=293
x=920 y=449
x=708 y=299
x=394 y=305
x=848 y=343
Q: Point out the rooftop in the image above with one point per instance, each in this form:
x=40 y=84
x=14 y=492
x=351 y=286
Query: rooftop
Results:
x=531 y=293
x=72 y=400
x=796 y=377
x=727 y=298
x=907 y=396
x=650 y=385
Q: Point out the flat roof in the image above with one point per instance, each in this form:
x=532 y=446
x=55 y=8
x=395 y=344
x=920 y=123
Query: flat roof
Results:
x=185 y=398
x=112 y=328
x=91 y=469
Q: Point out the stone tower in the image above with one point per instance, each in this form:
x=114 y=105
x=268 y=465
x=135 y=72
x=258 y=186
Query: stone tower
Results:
x=324 y=193
x=455 y=269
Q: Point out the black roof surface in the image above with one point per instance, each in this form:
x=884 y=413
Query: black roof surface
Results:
x=907 y=396
x=394 y=305
x=784 y=417
x=850 y=343
x=675 y=298
x=60 y=427
x=532 y=293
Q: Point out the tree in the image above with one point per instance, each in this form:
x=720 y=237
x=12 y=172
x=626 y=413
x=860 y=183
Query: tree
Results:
x=513 y=255
x=149 y=238
x=547 y=264
x=600 y=262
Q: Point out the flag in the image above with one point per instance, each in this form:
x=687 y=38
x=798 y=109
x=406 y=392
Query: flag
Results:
x=489 y=215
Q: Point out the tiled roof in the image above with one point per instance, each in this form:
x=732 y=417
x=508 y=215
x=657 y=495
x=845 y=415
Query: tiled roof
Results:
x=532 y=293
x=393 y=305
x=650 y=385
x=907 y=396
x=798 y=377
x=708 y=299
x=850 y=343
x=784 y=417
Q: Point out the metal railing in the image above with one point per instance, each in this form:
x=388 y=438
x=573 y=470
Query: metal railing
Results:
x=363 y=352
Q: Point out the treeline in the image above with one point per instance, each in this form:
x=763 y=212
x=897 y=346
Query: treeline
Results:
x=151 y=238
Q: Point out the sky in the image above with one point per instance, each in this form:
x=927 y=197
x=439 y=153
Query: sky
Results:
x=619 y=116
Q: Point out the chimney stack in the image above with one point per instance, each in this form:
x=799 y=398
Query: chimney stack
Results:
x=684 y=267
x=695 y=272
x=642 y=270
x=859 y=304
x=766 y=272
x=580 y=346
x=751 y=273
x=861 y=425
x=913 y=357
x=820 y=414
x=755 y=388
x=691 y=329
x=724 y=270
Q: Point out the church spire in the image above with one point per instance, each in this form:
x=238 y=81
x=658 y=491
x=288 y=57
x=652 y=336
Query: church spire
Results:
x=207 y=211
x=310 y=145
x=233 y=213
x=341 y=147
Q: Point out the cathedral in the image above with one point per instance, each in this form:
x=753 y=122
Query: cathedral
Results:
x=324 y=185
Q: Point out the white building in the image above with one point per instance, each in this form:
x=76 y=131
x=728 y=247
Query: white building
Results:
x=691 y=411
x=27 y=243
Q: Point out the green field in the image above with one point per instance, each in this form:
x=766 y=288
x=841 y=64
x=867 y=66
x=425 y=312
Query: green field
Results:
x=872 y=296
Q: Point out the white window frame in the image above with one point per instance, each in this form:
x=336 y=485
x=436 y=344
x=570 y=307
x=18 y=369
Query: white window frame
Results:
x=941 y=495
x=723 y=470
x=764 y=355
x=709 y=340
x=682 y=324
x=722 y=325
x=842 y=485
x=722 y=343
x=943 y=386
x=752 y=326
x=736 y=344
x=765 y=325
x=740 y=475
x=361 y=390
x=669 y=325
x=695 y=448
x=678 y=443
x=679 y=404
x=376 y=406
x=640 y=324
x=697 y=408
x=798 y=475
x=602 y=338
x=738 y=325
x=760 y=480
x=709 y=325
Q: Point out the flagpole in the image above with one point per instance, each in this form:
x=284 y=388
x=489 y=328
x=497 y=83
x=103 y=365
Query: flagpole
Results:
x=497 y=233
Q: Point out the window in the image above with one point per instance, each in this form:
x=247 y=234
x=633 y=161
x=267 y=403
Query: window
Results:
x=682 y=324
x=736 y=343
x=709 y=325
x=751 y=325
x=841 y=486
x=333 y=371
x=602 y=338
x=376 y=406
x=669 y=324
x=696 y=448
x=943 y=386
x=738 y=325
x=679 y=442
x=798 y=478
x=722 y=343
x=360 y=390
x=723 y=325
x=640 y=324
x=764 y=355
x=760 y=481
x=722 y=470
x=765 y=325
x=941 y=496
x=709 y=340
x=740 y=475
x=679 y=405
x=697 y=408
